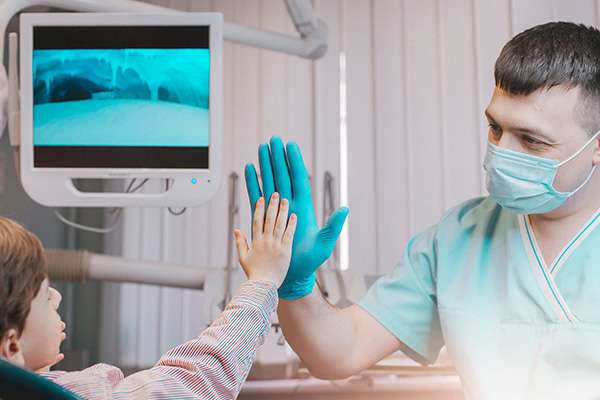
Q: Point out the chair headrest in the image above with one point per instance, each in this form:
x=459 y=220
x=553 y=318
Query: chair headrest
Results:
x=19 y=383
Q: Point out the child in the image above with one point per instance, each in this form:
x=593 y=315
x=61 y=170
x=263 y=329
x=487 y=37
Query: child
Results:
x=212 y=366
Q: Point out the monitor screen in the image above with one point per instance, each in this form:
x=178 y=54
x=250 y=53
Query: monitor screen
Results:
x=121 y=96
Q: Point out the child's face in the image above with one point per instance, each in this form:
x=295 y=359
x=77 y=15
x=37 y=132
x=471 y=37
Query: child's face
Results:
x=44 y=330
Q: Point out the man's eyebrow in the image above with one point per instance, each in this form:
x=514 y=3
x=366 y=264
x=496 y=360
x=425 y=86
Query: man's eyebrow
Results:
x=489 y=116
x=525 y=130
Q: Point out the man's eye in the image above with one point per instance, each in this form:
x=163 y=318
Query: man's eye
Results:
x=530 y=140
x=494 y=129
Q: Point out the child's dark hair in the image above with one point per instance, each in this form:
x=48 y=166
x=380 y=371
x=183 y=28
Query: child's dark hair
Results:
x=22 y=271
x=552 y=54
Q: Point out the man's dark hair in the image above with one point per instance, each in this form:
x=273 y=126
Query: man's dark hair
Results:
x=552 y=54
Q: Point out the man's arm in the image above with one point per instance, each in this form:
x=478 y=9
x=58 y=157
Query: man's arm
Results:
x=398 y=312
x=334 y=343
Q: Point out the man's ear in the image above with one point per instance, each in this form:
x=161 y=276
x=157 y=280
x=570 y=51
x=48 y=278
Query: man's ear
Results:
x=10 y=347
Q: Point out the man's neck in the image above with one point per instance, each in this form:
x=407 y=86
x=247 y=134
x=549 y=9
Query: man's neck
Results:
x=555 y=230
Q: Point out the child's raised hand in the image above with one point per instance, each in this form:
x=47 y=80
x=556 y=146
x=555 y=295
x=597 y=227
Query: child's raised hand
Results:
x=269 y=256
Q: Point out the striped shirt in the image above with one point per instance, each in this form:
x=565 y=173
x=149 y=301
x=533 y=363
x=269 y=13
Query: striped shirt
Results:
x=214 y=365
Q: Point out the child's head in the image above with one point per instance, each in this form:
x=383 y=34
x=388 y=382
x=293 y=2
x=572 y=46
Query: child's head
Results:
x=30 y=328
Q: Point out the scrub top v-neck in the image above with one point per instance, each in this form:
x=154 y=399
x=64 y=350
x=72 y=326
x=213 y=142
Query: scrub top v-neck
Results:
x=514 y=327
x=568 y=261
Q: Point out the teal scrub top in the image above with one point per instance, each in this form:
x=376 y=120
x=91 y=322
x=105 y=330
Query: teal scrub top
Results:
x=514 y=327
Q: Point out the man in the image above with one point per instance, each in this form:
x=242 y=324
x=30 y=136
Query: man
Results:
x=508 y=283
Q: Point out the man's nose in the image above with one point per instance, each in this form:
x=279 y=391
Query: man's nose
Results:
x=509 y=141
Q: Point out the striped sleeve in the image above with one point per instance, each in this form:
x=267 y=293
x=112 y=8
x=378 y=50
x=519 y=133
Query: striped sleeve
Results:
x=215 y=364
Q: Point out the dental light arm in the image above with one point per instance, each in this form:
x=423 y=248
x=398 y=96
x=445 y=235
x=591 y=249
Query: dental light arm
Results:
x=81 y=266
x=312 y=44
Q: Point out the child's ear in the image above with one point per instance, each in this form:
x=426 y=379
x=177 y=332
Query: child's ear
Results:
x=10 y=347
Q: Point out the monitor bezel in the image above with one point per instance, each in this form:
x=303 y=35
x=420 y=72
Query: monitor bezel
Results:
x=27 y=24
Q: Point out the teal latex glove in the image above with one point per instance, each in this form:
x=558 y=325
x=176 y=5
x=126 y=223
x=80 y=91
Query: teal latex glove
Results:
x=286 y=174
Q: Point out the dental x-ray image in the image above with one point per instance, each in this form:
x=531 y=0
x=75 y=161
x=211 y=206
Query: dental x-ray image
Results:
x=121 y=97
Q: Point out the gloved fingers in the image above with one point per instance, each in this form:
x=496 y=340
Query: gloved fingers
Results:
x=288 y=236
x=266 y=170
x=252 y=186
x=329 y=234
x=241 y=243
x=280 y=169
x=282 y=219
x=258 y=219
x=271 y=215
x=300 y=181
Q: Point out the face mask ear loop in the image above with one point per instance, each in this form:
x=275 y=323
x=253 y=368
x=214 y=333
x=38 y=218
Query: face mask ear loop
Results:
x=580 y=150
x=586 y=180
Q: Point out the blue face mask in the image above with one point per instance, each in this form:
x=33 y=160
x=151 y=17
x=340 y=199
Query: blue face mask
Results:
x=523 y=183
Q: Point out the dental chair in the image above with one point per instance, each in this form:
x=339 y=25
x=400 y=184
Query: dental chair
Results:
x=17 y=383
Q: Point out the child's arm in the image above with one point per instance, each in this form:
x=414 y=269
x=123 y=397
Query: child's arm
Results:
x=216 y=363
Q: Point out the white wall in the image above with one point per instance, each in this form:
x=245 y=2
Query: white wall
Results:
x=419 y=74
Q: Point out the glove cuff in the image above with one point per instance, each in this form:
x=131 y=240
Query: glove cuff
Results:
x=297 y=289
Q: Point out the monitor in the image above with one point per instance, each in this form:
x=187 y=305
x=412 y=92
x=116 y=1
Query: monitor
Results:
x=120 y=95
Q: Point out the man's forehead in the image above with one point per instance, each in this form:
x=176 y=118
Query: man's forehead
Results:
x=553 y=98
